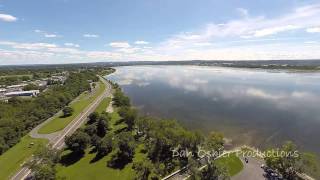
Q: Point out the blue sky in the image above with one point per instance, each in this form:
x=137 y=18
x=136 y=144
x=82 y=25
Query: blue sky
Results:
x=68 y=31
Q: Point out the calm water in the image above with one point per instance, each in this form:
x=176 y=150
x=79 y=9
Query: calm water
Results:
x=254 y=107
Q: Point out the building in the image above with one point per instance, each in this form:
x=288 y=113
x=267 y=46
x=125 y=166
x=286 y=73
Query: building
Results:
x=22 y=93
x=3 y=90
x=17 y=87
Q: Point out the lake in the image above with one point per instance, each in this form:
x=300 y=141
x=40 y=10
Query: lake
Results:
x=256 y=107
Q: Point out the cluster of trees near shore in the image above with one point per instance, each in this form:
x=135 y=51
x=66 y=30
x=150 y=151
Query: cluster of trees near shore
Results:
x=157 y=136
x=19 y=115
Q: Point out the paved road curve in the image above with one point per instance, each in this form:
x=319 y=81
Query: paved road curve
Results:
x=251 y=170
x=58 y=141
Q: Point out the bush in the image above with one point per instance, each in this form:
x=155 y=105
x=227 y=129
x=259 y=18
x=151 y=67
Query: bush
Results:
x=67 y=111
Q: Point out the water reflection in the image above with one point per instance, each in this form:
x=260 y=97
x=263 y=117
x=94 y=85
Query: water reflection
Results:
x=250 y=106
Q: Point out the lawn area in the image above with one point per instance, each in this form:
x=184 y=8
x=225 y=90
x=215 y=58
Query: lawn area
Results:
x=231 y=162
x=85 y=169
x=11 y=160
x=103 y=105
x=59 y=123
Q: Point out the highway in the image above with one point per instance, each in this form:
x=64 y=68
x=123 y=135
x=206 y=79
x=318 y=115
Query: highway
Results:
x=58 y=141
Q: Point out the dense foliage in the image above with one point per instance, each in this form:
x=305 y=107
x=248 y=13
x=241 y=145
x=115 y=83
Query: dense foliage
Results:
x=287 y=160
x=19 y=116
x=46 y=169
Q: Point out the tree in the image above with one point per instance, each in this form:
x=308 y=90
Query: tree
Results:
x=215 y=142
x=25 y=78
x=94 y=85
x=93 y=117
x=102 y=128
x=44 y=172
x=3 y=145
x=91 y=129
x=67 y=111
x=129 y=115
x=120 y=99
x=30 y=87
x=145 y=126
x=124 y=152
x=46 y=169
x=193 y=166
x=143 y=169
x=78 y=141
x=105 y=145
x=213 y=172
x=286 y=160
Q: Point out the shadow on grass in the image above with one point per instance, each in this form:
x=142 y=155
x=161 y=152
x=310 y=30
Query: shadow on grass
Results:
x=93 y=150
x=120 y=130
x=120 y=121
x=71 y=158
x=118 y=164
x=97 y=157
x=64 y=116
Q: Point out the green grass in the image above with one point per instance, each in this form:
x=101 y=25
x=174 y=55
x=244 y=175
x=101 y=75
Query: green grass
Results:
x=231 y=162
x=59 y=123
x=84 y=169
x=11 y=160
x=103 y=105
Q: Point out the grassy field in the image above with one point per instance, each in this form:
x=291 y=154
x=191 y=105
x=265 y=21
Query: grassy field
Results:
x=103 y=105
x=84 y=168
x=59 y=122
x=231 y=162
x=12 y=159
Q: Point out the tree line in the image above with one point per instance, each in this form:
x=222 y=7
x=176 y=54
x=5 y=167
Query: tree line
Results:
x=19 y=116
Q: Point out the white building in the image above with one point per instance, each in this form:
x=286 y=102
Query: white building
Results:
x=22 y=93
x=3 y=90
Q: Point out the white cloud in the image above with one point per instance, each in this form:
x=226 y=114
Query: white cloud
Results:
x=119 y=44
x=313 y=30
x=90 y=35
x=38 y=31
x=7 y=18
x=250 y=27
x=243 y=12
x=263 y=94
x=274 y=30
x=46 y=34
x=203 y=44
x=28 y=46
x=72 y=45
x=141 y=42
x=128 y=50
x=310 y=42
x=50 y=35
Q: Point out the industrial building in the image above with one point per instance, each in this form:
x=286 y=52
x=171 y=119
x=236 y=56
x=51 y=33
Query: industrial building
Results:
x=22 y=93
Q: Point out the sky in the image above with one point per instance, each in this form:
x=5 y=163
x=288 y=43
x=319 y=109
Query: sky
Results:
x=77 y=31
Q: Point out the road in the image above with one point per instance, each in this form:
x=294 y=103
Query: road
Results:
x=251 y=170
x=58 y=141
